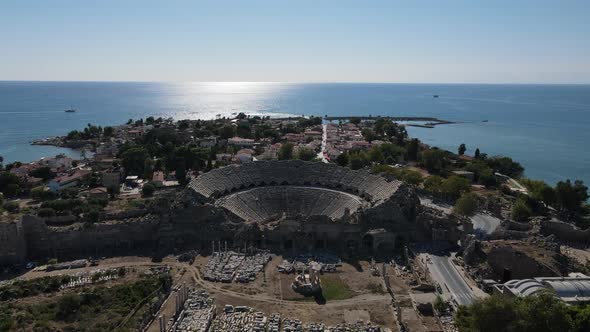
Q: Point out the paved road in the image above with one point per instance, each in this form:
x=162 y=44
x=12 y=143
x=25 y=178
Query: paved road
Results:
x=451 y=282
x=321 y=155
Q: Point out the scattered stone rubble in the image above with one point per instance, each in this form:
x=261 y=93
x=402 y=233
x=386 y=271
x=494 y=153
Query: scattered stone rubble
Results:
x=94 y=276
x=226 y=266
x=197 y=314
x=327 y=262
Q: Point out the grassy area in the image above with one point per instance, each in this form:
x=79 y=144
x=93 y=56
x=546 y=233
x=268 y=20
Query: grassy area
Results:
x=100 y=308
x=333 y=288
x=376 y=288
x=26 y=288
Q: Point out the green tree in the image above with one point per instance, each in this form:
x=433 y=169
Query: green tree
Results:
x=570 y=197
x=462 y=149
x=455 y=186
x=9 y=184
x=434 y=160
x=133 y=160
x=466 y=205
x=306 y=154
x=227 y=131
x=108 y=131
x=412 y=149
x=286 y=151
x=148 y=189
x=540 y=191
x=44 y=173
x=477 y=154
x=342 y=159
x=505 y=165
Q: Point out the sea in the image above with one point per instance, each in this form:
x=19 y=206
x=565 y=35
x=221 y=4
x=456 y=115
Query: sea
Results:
x=544 y=127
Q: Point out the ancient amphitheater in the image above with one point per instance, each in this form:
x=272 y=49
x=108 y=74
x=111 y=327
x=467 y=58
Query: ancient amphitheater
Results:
x=280 y=205
x=310 y=202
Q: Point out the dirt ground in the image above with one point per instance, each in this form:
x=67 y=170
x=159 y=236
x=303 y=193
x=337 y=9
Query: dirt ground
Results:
x=271 y=291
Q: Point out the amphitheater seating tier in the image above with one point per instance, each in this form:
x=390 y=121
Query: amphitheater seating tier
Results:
x=229 y=179
x=271 y=203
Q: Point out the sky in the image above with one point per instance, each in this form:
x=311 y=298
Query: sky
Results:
x=492 y=41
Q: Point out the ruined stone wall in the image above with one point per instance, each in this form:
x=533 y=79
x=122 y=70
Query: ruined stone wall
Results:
x=12 y=243
x=565 y=232
x=98 y=239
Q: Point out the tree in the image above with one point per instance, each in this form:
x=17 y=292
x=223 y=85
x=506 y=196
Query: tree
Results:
x=148 y=189
x=521 y=211
x=462 y=149
x=41 y=193
x=466 y=205
x=181 y=171
x=286 y=151
x=540 y=312
x=477 y=154
x=306 y=154
x=505 y=165
x=44 y=173
x=540 y=191
x=108 y=131
x=227 y=131
x=9 y=184
x=342 y=159
x=412 y=149
x=133 y=160
x=569 y=197
x=434 y=160
x=455 y=186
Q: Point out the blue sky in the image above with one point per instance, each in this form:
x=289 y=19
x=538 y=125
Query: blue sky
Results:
x=310 y=41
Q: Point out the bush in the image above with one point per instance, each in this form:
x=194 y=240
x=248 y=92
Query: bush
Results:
x=12 y=207
x=521 y=211
x=45 y=213
x=148 y=189
x=466 y=205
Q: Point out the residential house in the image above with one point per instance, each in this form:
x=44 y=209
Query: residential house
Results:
x=98 y=193
x=241 y=142
x=70 y=180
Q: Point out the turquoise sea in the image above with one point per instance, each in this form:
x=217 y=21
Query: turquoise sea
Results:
x=545 y=127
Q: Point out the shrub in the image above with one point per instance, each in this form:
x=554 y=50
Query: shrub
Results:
x=45 y=213
x=12 y=207
x=148 y=189
x=521 y=211
x=466 y=205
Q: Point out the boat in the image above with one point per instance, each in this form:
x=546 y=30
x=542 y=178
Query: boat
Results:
x=434 y=96
x=71 y=110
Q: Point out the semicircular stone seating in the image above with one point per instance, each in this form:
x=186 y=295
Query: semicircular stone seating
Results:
x=271 y=203
x=262 y=205
x=222 y=181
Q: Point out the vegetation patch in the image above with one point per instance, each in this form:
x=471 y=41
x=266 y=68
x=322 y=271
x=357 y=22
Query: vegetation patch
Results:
x=333 y=288
x=99 y=308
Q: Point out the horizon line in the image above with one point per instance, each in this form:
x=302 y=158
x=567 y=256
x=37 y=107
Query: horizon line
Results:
x=294 y=82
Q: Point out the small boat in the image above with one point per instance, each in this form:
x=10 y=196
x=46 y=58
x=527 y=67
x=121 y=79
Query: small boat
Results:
x=434 y=96
x=484 y=121
x=71 y=110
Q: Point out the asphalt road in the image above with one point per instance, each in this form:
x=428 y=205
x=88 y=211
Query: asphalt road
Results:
x=451 y=282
